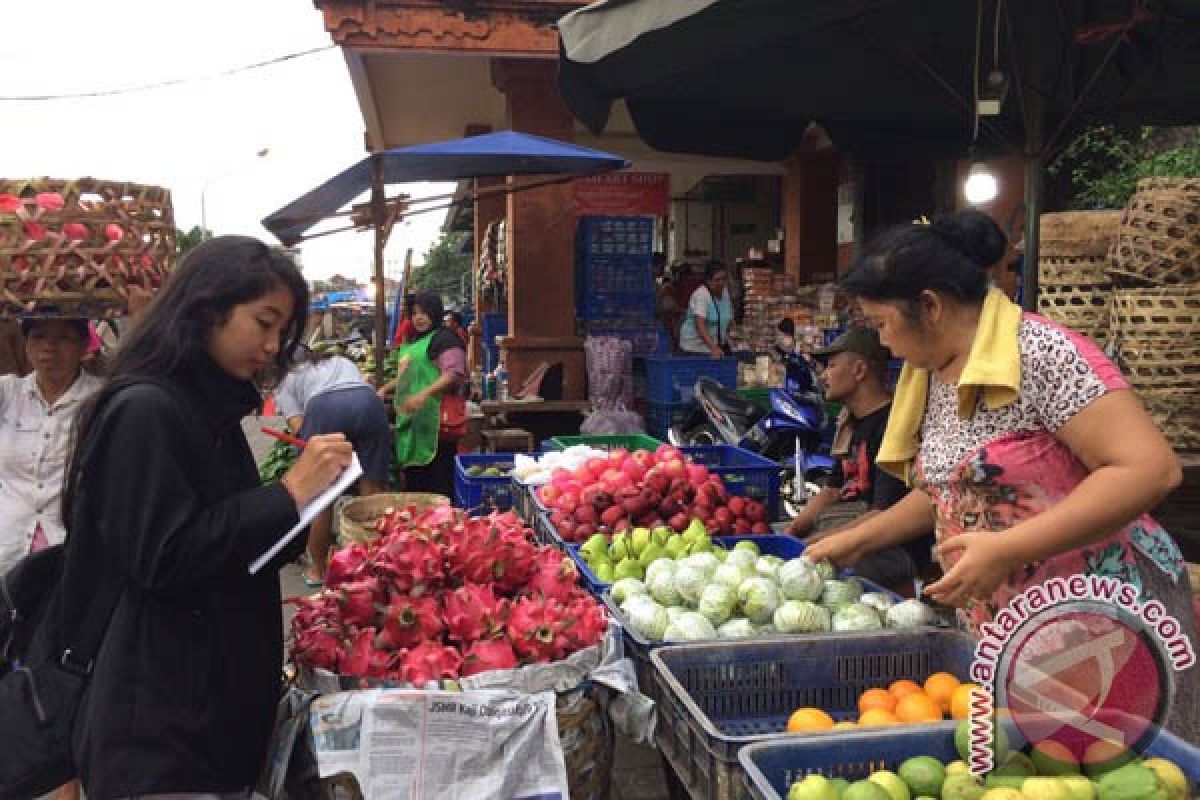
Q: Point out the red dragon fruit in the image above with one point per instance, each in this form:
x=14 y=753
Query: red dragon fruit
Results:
x=318 y=646
x=537 y=629
x=430 y=661
x=473 y=612
x=346 y=564
x=358 y=600
x=358 y=654
x=408 y=621
x=556 y=576
x=410 y=562
x=314 y=609
x=484 y=553
x=488 y=655
x=589 y=621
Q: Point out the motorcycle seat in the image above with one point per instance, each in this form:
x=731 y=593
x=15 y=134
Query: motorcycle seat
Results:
x=729 y=402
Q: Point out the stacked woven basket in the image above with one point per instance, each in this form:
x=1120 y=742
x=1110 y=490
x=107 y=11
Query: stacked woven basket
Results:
x=76 y=246
x=1132 y=280
x=1156 y=303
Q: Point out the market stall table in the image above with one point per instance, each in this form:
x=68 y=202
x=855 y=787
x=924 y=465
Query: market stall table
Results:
x=542 y=418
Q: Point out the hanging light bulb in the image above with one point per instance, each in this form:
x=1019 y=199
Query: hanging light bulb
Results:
x=980 y=186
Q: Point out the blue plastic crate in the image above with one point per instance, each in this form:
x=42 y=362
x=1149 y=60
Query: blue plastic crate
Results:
x=647 y=340
x=544 y=532
x=744 y=473
x=670 y=379
x=660 y=418
x=786 y=547
x=616 y=305
x=493 y=325
x=477 y=492
x=615 y=274
x=639 y=649
x=772 y=767
x=524 y=504
x=715 y=698
x=615 y=235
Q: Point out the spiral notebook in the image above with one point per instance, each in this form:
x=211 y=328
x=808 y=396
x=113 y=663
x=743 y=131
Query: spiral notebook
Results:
x=307 y=514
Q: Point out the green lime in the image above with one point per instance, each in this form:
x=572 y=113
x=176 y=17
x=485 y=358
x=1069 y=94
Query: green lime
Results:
x=924 y=775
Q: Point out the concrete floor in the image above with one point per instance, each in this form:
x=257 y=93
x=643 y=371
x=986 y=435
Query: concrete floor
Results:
x=638 y=771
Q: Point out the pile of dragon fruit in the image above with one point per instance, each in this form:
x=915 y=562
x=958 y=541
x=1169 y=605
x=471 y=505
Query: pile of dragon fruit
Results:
x=438 y=596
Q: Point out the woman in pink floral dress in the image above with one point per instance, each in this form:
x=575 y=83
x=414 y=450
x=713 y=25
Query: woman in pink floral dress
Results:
x=1024 y=449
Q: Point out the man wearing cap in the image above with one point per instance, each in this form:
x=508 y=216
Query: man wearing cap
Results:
x=854 y=370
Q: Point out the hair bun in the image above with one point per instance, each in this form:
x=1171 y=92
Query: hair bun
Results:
x=974 y=234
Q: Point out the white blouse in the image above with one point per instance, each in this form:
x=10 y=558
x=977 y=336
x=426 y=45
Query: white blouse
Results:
x=35 y=439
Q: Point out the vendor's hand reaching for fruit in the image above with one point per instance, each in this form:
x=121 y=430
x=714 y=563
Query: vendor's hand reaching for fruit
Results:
x=845 y=548
x=320 y=463
x=981 y=564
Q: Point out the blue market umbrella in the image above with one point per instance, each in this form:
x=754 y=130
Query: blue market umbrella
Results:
x=489 y=155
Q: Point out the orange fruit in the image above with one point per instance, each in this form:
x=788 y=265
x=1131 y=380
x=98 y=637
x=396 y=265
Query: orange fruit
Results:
x=940 y=686
x=902 y=687
x=877 y=716
x=918 y=707
x=876 y=698
x=960 y=700
x=804 y=720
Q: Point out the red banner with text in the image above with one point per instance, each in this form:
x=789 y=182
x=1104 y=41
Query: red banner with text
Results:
x=618 y=193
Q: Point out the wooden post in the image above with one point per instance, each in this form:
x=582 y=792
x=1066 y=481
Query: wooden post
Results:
x=378 y=220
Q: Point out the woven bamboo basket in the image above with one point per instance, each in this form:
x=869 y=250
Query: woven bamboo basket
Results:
x=356 y=519
x=587 y=743
x=1077 y=271
x=1160 y=313
x=1081 y=308
x=1078 y=234
x=1161 y=363
x=78 y=245
x=1158 y=242
x=1177 y=414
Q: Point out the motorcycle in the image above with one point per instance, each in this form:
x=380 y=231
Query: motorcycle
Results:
x=788 y=431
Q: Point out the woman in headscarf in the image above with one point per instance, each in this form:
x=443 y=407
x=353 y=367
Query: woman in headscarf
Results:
x=430 y=407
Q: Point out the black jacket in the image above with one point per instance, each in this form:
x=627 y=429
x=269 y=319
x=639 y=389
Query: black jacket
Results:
x=186 y=683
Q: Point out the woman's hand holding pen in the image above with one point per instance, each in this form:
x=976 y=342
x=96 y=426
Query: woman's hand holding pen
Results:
x=321 y=462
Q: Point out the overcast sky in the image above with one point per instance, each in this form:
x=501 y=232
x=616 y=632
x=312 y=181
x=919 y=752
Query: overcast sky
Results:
x=199 y=137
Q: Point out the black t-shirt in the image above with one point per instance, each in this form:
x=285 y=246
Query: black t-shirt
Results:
x=861 y=480
x=856 y=473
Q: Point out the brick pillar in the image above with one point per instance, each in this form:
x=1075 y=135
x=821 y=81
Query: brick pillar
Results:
x=541 y=236
x=810 y=214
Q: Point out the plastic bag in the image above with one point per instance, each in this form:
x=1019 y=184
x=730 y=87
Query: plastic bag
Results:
x=610 y=372
x=609 y=422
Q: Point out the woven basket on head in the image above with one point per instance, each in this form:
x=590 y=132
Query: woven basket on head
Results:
x=77 y=245
x=356 y=519
x=1160 y=363
x=1161 y=313
x=1158 y=242
x=1081 y=308
x=1077 y=234
x=587 y=743
x=1176 y=412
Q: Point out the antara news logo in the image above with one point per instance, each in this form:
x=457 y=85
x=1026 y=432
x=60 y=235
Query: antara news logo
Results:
x=1081 y=667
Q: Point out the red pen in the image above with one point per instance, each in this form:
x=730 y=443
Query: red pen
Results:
x=285 y=437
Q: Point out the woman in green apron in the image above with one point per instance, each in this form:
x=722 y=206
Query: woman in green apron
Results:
x=430 y=408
